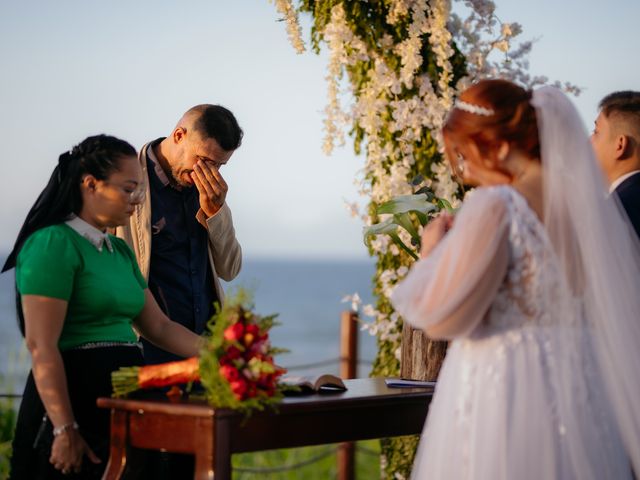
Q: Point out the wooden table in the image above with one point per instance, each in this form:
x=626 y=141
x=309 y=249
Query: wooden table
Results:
x=368 y=409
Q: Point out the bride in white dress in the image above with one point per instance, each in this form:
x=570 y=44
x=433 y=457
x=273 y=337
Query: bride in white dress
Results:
x=536 y=282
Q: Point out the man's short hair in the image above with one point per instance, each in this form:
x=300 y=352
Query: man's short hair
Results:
x=623 y=106
x=215 y=121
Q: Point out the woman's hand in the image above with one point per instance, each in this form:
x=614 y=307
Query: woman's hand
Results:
x=67 y=451
x=434 y=232
x=163 y=332
x=44 y=319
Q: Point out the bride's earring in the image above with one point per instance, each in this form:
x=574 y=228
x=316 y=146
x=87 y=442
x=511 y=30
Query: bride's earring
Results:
x=503 y=152
x=459 y=165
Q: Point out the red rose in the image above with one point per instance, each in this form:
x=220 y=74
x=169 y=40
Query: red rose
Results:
x=234 y=332
x=229 y=372
x=239 y=388
x=253 y=329
x=252 y=391
x=255 y=347
x=233 y=353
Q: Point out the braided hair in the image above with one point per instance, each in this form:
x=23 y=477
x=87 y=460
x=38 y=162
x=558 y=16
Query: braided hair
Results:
x=99 y=156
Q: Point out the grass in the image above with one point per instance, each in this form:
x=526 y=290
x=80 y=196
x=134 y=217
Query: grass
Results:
x=16 y=362
x=7 y=426
x=309 y=463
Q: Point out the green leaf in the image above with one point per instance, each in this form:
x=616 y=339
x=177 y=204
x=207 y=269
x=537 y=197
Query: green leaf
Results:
x=387 y=226
x=400 y=243
x=407 y=203
x=445 y=205
x=404 y=220
x=422 y=218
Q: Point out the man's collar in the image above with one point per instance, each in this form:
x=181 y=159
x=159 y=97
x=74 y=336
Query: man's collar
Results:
x=157 y=167
x=618 y=181
x=91 y=233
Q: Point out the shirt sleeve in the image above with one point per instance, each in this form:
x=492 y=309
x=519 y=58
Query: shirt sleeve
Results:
x=448 y=293
x=47 y=264
x=226 y=251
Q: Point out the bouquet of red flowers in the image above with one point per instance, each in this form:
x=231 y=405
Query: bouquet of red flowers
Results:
x=236 y=366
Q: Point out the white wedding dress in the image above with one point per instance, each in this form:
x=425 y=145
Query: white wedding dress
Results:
x=520 y=394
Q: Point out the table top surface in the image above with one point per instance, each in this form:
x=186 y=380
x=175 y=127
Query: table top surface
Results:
x=360 y=391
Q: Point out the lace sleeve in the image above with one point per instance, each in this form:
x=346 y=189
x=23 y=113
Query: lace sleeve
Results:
x=448 y=293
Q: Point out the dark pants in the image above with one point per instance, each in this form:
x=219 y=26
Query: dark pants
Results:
x=168 y=466
x=88 y=377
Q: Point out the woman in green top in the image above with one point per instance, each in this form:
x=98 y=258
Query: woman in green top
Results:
x=80 y=293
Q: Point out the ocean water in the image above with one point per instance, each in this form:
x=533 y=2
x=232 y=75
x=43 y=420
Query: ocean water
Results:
x=306 y=294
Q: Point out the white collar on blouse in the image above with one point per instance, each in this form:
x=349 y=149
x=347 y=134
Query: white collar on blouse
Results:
x=618 y=181
x=91 y=233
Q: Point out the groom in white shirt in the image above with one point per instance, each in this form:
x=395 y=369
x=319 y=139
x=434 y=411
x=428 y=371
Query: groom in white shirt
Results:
x=616 y=141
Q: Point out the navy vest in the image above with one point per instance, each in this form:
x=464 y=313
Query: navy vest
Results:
x=180 y=276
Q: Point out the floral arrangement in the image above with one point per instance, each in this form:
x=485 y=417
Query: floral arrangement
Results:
x=236 y=366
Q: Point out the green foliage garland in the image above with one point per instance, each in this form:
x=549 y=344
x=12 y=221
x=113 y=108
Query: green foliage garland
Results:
x=368 y=21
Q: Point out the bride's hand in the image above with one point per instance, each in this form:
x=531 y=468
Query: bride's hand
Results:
x=434 y=232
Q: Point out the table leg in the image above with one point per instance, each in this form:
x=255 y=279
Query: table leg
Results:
x=204 y=451
x=222 y=449
x=117 y=449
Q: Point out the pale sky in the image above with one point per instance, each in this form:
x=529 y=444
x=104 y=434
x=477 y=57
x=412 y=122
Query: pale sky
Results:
x=73 y=68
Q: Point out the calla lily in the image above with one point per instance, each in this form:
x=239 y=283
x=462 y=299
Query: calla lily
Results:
x=408 y=203
x=400 y=208
x=387 y=226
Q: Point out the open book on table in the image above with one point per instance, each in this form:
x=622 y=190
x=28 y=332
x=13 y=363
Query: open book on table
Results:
x=408 y=383
x=318 y=383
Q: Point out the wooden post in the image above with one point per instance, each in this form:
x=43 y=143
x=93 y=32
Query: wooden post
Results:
x=348 y=369
x=421 y=357
x=349 y=344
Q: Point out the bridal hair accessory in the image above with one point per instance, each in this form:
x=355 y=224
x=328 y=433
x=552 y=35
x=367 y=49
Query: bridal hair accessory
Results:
x=475 y=109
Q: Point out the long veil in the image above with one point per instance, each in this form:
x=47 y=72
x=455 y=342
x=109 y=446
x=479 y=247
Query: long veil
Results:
x=599 y=254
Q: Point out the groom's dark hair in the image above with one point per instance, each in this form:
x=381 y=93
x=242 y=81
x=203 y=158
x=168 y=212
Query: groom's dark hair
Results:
x=625 y=106
x=217 y=122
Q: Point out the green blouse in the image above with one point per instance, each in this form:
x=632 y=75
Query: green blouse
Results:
x=104 y=290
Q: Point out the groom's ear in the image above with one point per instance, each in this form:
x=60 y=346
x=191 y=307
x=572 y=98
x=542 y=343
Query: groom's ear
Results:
x=178 y=134
x=622 y=147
